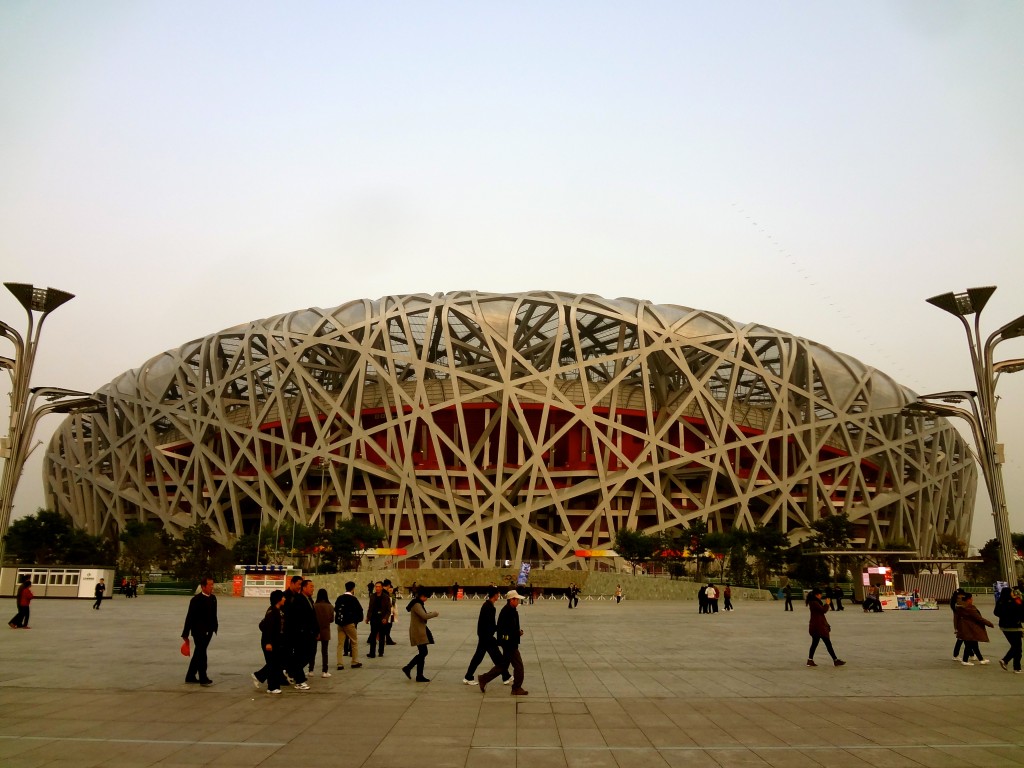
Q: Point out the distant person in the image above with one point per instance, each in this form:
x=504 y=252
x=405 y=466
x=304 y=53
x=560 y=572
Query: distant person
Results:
x=818 y=628
x=727 y=596
x=789 y=598
x=872 y=602
x=837 y=597
x=1010 y=610
x=702 y=599
x=389 y=589
x=509 y=636
x=23 y=600
x=712 y=599
x=348 y=613
x=100 y=588
x=618 y=594
x=201 y=623
x=972 y=630
x=324 y=617
x=272 y=645
x=419 y=635
x=486 y=642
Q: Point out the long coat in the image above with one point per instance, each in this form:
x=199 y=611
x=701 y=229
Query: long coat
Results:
x=818 y=627
x=418 y=623
x=972 y=624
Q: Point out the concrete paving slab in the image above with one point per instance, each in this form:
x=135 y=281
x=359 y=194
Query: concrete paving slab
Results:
x=651 y=684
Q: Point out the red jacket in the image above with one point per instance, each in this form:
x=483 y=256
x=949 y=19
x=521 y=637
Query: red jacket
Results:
x=818 y=627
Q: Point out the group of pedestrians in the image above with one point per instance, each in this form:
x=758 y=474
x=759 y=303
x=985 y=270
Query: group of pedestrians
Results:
x=295 y=625
x=970 y=627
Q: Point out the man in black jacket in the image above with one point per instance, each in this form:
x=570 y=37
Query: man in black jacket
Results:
x=201 y=623
x=378 y=616
x=508 y=638
x=485 y=641
x=301 y=630
x=348 y=612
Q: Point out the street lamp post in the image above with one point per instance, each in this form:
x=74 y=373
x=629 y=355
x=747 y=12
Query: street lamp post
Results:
x=38 y=303
x=983 y=403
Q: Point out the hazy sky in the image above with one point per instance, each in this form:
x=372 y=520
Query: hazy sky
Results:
x=821 y=168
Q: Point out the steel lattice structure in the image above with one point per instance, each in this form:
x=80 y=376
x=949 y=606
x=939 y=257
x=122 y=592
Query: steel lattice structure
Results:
x=478 y=427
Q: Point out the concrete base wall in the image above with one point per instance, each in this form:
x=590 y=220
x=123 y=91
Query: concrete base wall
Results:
x=592 y=584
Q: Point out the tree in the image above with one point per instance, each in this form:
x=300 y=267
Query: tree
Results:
x=143 y=546
x=767 y=548
x=729 y=550
x=200 y=555
x=50 y=538
x=832 y=532
x=347 y=538
x=989 y=571
x=636 y=547
x=948 y=545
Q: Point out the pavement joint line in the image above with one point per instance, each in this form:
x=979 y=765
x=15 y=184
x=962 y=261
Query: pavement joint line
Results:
x=185 y=742
x=762 y=748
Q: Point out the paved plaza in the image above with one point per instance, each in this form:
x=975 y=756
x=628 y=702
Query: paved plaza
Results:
x=642 y=684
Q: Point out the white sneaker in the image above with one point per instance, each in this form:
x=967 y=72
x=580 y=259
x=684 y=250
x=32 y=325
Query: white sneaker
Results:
x=967 y=663
x=984 y=661
x=956 y=658
x=507 y=682
x=275 y=691
x=255 y=683
x=326 y=674
x=301 y=686
x=469 y=682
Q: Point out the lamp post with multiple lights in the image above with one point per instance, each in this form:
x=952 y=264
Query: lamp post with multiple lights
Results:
x=982 y=413
x=38 y=304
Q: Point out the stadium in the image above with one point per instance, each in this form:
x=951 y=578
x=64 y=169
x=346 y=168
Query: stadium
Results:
x=476 y=428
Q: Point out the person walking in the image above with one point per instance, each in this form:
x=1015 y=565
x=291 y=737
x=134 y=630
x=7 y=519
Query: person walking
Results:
x=300 y=631
x=378 y=614
x=486 y=624
x=956 y=599
x=23 y=600
x=100 y=588
x=1010 y=610
x=324 y=617
x=727 y=596
x=272 y=645
x=789 y=597
x=618 y=594
x=509 y=634
x=348 y=613
x=818 y=628
x=201 y=623
x=972 y=630
x=419 y=634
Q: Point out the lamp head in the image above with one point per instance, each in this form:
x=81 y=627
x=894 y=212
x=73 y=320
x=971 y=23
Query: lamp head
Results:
x=969 y=302
x=38 y=299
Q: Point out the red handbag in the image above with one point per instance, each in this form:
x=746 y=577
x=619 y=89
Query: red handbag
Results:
x=185 y=650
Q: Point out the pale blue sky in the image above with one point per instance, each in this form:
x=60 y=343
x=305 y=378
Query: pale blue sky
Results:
x=817 y=167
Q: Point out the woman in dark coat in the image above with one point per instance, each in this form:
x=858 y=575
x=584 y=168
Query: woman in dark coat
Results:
x=971 y=629
x=272 y=645
x=819 y=628
x=1010 y=610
